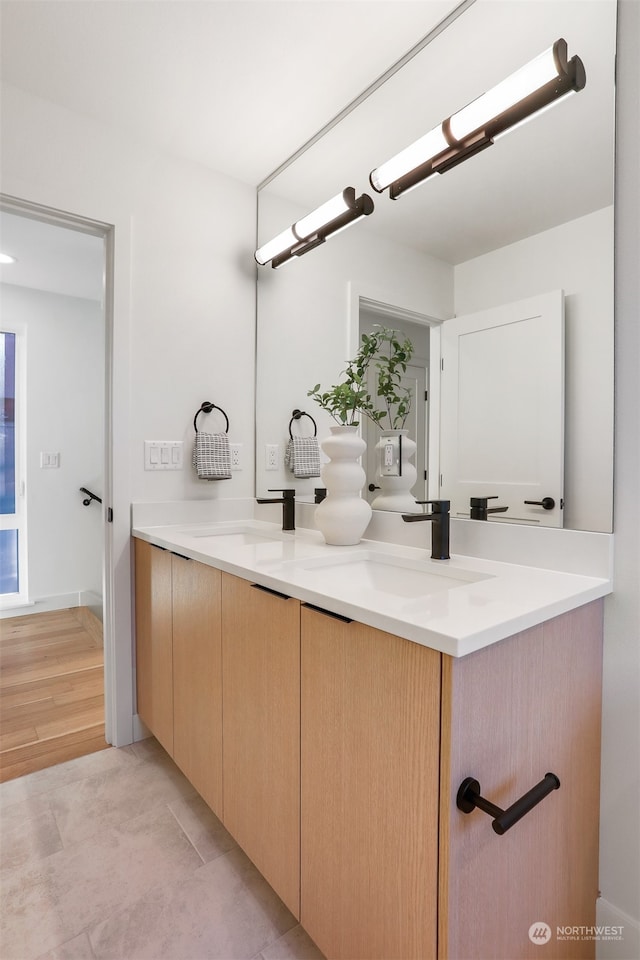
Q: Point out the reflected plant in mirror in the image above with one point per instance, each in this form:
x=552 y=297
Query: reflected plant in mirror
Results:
x=389 y=356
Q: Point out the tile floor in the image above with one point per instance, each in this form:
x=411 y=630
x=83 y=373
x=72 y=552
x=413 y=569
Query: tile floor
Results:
x=115 y=856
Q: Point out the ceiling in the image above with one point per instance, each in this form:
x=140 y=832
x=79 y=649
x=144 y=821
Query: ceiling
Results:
x=240 y=85
x=237 y=85
x=51 y=258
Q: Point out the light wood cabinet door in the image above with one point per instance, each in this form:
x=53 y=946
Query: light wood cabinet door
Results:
x=369 y=800
x=519 y=709
x=197 y=677
x=154 y=640
x=261 y=769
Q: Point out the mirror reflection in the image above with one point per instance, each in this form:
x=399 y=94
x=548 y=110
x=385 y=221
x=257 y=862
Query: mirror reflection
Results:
x=466 y=259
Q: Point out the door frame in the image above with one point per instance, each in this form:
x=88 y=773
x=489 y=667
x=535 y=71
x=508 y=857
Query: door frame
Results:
x=106 y=232
x=397 y=303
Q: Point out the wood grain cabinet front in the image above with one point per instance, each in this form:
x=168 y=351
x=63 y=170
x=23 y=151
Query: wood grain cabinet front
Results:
x=370 y=758
x=197 y=677
x=178 y=663
x=154 y=641
x=261 y=681
x=391 y=867
x=513 y=712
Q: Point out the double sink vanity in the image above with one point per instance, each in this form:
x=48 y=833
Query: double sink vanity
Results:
x=328 y=703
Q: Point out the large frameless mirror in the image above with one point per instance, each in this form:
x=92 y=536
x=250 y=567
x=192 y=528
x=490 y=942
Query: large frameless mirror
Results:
x=461 y=264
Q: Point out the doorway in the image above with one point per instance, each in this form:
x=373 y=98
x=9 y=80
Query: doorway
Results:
x=417 y=330
x=58 y=300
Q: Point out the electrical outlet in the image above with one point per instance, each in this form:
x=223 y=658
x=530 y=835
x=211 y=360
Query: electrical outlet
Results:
x=236 y=456
x=272 y=456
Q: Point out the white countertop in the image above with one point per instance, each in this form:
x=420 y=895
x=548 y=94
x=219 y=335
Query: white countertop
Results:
x=457 y=621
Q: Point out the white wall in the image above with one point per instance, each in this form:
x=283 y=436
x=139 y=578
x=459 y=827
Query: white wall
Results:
x=65 y=414
x=620 y=797
x=576 y=257
x=184 y=305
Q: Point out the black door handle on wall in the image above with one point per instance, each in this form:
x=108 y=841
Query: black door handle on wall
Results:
x=469 y=798
x=547 y=503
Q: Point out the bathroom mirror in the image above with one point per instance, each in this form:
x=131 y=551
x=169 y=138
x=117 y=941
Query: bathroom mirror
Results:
x=531 y=215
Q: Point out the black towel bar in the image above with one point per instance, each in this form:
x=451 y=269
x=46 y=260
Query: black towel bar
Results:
x=296 y=416
x=469 y=798
x=207 y=407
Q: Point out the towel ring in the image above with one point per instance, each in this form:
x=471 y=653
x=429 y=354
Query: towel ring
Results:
x=207 y=407
x=296 y=416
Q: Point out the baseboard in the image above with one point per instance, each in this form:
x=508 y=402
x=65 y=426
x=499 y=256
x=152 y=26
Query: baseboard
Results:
x=93 y=600
x=140 y=731
x=43 y=605
x=61 y=601
x=613 y=924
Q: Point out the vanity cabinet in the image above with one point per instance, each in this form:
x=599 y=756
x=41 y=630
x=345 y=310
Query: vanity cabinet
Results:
x=261 y=680
x=179 y=663
x=154 y=641
x=370 y=758
x=511 y=713
x=343 y=752
x=391 y=868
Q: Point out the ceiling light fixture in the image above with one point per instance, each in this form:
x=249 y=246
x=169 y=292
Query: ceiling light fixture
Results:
x=314 y=228
x=537 y=85
x=6 y=258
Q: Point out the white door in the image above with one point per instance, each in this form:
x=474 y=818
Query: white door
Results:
x=502 y=418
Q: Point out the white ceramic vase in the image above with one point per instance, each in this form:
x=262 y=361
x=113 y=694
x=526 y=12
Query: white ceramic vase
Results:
x=343 y=515
x=395 y=475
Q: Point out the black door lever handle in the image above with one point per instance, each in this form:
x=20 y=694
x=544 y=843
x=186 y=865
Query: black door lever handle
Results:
x=547 y=503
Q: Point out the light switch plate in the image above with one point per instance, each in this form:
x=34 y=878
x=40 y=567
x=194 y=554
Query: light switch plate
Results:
x=49 y=461
x=163 y=454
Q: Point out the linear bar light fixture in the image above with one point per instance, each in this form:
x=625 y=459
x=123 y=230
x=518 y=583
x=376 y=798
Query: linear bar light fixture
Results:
x=313 y=229
x=537 y=85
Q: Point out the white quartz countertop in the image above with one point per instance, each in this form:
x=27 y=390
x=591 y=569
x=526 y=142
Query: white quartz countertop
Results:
x=456 y=606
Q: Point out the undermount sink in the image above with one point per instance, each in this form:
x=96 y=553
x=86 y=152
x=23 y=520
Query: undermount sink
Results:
x=384 y=573
x=234 y=533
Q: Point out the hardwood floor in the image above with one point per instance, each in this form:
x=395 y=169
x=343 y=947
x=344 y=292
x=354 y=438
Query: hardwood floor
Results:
x=51 y=689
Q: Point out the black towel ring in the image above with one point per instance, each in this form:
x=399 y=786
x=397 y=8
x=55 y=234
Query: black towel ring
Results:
x=296 y=416
x=207 y=407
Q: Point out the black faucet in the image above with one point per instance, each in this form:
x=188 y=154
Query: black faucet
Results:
x=479 y=509
x=440 y=531
x=288 y=501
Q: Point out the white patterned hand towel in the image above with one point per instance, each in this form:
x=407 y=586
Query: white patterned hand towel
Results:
x=302 y=456
x=212 y=456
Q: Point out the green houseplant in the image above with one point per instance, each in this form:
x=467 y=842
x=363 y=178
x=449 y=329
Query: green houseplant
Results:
x=388 y=354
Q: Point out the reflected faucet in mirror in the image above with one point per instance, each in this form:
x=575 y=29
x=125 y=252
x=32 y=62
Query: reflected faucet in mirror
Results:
x=480 y=509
